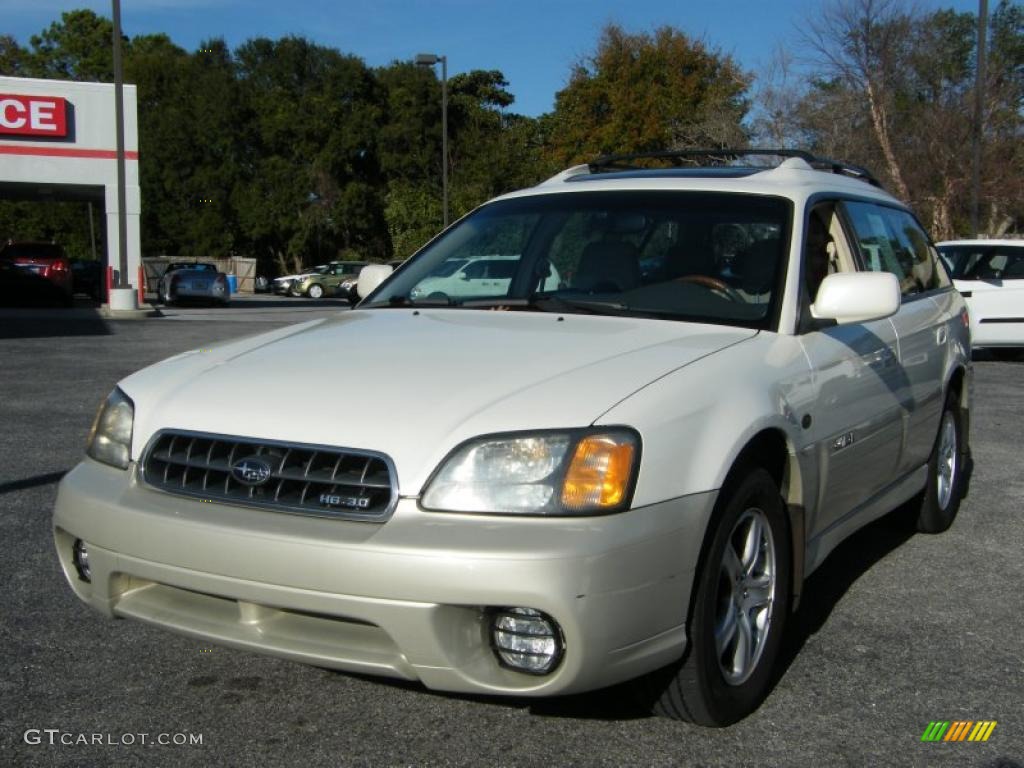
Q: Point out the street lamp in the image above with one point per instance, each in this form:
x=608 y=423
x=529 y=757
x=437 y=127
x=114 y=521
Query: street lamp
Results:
x=122 y=216
x=429 y=60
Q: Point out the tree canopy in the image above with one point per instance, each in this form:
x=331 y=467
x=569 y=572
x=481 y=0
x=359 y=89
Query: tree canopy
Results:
x=893 y=89
x=645 y=92
x=296 y=153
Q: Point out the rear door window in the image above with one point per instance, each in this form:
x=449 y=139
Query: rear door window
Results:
x=891 y=240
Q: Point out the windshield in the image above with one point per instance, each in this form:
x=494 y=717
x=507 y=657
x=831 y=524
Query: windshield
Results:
x=192 y=267
x=709 y=257
x=349 y=269
x=984 y=262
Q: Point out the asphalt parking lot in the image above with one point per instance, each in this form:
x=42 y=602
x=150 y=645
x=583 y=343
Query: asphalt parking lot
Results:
x=896 y=630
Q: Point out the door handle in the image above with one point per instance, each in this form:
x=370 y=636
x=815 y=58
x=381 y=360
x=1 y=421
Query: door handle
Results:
x=940 y=335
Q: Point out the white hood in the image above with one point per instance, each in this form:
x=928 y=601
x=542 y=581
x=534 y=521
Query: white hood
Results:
x=415 y=383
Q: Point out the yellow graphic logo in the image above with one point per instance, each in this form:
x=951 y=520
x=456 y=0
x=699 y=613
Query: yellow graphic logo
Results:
x=958 y=730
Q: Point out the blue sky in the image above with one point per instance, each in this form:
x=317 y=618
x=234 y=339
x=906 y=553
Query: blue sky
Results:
x=534 y=42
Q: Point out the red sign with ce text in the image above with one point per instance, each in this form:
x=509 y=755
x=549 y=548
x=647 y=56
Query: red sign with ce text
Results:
x=33 y=115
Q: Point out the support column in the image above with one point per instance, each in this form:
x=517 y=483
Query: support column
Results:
x=133 y=206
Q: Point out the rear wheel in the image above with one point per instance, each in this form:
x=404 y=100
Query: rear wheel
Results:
x=738 y=614
x=941 y=498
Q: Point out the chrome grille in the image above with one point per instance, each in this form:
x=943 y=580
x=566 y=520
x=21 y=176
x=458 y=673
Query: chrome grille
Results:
x=304 y=479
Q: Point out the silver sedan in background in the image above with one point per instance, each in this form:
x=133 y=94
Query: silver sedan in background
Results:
x=193 y=281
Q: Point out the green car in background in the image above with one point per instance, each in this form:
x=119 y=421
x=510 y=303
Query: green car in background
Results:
x=326 y=283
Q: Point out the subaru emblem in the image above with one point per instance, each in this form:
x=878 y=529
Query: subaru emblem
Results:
x=251 y=470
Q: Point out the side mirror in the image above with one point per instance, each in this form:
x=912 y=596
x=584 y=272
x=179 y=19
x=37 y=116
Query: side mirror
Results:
x=371 y=276
x=857 y=297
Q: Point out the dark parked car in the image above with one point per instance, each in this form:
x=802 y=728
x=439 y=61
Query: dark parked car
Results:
x=87 y=278
x=43 y=260
x=23 y=288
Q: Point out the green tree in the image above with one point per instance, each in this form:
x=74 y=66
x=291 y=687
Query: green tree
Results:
x=646 y=92
x=187 y=146
x=14 y=60
x=490 y=151
x=286 y=150
x=311 y=186
x=78 y=47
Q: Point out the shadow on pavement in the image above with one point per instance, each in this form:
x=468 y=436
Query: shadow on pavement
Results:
x=823 y=590
x=821 y=593
x=32 y=482
x=34 y=307
x=289 y=302
x=34 y=323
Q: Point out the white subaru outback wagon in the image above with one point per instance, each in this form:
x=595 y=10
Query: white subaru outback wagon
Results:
x=550 y=488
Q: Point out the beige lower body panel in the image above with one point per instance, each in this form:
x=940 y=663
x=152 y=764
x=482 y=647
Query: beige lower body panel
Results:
x=408 y=598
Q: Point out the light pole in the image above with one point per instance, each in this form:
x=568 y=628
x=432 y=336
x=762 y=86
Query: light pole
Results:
x=122 y=216
x=429 y=60
x=979 y=106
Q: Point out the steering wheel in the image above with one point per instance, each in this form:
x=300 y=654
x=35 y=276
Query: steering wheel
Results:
x=714 y=285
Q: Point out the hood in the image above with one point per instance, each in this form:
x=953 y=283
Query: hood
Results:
x=415 y=383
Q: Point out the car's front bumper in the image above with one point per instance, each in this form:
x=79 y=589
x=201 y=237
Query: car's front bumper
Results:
x=407 y=598
x=213 y=292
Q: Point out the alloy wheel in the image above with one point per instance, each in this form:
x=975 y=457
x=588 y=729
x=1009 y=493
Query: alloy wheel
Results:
x=946 y=467
x=746 y=596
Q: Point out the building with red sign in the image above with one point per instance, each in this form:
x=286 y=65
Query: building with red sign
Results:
x=58 y=142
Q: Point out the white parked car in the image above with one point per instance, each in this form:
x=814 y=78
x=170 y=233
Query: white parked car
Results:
x=550 y=489
x=476 y=277
x=990 y=275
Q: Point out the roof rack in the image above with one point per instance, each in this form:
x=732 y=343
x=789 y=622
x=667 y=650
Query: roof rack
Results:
x=719 y=157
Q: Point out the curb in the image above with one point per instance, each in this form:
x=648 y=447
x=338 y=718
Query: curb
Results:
x=128 y=314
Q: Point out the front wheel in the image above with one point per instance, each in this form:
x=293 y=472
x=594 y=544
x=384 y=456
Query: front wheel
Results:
x=739 y=610
x=941 y=498
x=315 y=291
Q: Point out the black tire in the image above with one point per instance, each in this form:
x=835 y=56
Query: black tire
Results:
x=696 y=689
x=165 y=297
x=938 y=505
x=315 y=291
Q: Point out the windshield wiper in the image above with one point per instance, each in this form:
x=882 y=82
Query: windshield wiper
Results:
x=405 y=301
x=561 y=304
x=546 y=303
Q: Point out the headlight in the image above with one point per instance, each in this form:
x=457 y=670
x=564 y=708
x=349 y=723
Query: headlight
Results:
x=573 y=472
x=110 y=439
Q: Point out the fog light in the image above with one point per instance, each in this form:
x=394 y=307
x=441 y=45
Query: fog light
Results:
x=80 y=557
x=526 y=640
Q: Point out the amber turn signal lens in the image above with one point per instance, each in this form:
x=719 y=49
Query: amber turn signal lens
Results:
x=599 y=475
